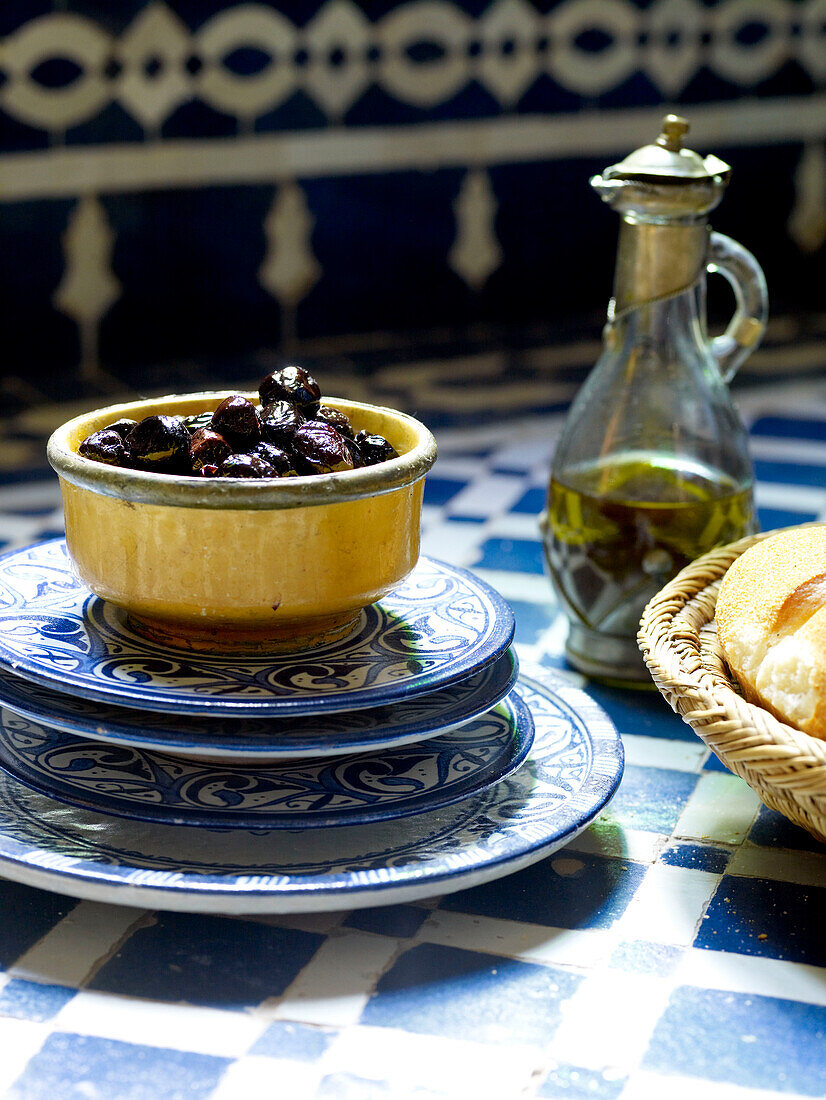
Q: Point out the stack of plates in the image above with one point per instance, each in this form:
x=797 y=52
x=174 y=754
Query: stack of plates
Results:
x=409 y=759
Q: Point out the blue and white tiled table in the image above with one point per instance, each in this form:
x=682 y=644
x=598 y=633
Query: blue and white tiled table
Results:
x=674 y=949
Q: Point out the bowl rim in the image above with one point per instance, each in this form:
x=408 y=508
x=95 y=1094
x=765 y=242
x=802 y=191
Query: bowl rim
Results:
x=187 y=491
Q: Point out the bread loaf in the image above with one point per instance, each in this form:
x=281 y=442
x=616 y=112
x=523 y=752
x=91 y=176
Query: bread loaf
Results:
x=771 y=622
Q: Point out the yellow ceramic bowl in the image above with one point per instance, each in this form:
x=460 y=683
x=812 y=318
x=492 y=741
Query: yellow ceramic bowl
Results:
x=237 y=565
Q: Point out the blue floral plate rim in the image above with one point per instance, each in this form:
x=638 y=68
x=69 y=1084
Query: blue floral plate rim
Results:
x=266 y=740
x=514 y=823
x=369 y=787
x=57 y=634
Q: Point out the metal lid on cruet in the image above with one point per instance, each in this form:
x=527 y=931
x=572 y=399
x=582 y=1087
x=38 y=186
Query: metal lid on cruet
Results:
x=665 y=179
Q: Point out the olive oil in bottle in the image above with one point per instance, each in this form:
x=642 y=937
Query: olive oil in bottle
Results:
x=617 y=531
x=652 y=465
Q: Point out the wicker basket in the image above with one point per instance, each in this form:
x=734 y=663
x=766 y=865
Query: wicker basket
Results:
x=678 y=638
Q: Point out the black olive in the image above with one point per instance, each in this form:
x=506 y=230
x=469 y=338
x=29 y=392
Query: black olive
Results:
x=292 y=384
x=319 y=449
x=159 y=443
x=208 y=448
x=207 y=470
x=246 y=466
x=375 y=448
x=279 y=422
x=335 y=419
x=105 y=446
x=198 y=421
x=237 y=420
x=280 y=461
x=354 y=452
x=122 y=426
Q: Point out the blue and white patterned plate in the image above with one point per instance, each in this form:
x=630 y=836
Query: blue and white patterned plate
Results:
x=351 y=790
x=439 y=626
x=266 y=740
x=571 y=772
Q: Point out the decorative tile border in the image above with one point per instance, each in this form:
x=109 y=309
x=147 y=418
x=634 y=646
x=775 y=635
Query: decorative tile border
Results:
x=422 y=53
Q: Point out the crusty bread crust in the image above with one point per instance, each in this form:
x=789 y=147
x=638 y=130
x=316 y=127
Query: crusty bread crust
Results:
x=771 y=622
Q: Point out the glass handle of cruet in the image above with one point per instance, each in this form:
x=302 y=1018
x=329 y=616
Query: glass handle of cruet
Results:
x=745 y=276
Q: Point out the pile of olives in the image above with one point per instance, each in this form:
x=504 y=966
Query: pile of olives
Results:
x=291 y=434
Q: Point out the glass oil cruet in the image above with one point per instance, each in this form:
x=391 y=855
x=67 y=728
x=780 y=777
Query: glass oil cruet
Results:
x=652 y=468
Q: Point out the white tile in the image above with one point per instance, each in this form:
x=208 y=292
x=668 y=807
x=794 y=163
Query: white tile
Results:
x=788 y=450
x=77 y=945
x=457 y=541
x=337 y=982
x=318 y=923
x=656 y=1086
x=257 y=1077
x=518 y=525
x=20 y=1040
x=22 y=529
x=160 y=1024
x=805 y=868
x=538 y=435
x=654 y=752
x=514 y=939
x=668 y=905
x=752 y=974
x=488 y=495
x=609 y=1020
x=529 y=587
x=553 y=640
x=524 y=453
x=606 y=838
x=721 y=808
x=457 y=468
x=454 y=1067
x=37 y=494
x=799 y=498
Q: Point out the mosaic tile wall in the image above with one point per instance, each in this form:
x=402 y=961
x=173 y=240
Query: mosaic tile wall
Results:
x=187 y=181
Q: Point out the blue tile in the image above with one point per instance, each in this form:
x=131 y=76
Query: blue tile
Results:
x=21 y=477
x=30 y=510
x=297 y=1042
x=576 y=1083
x=641 y=711
x=439 y=490
x=13 y=13
x=467 y=995
x=28 y=914
x=587 y=891
x=789 y=918
x=194 y=119
x=112 y=124
x=532 y=619
x=790 y=473
x=651 y=799
x=33 y=1001
x=531 y=503
x=75 y=1067
x=755 y=1042
x=514 y=555
x=642 y=957
x=773 y=830
x=207 y=961
x=699 y=856
x=772 y=518
x=788 y=428
x=402 y=921
x=715 y=764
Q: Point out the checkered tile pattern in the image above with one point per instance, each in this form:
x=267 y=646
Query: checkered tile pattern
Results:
x=675 y=949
